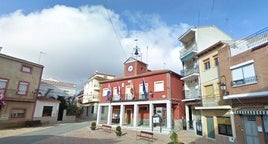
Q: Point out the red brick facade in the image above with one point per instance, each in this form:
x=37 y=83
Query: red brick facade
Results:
x=243 y=95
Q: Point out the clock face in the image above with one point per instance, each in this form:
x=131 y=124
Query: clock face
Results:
x=130 y=68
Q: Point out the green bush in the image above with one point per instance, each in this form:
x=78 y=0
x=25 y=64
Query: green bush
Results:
x=93 y=125
x=118 y=131
x=174 y=138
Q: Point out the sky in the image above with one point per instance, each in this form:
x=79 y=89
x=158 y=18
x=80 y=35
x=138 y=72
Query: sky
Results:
x=74 y=39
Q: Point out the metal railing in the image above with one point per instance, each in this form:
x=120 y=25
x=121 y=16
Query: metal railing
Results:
x=244 y=81
x=130 y=97
x=257 y=39
x=190 y=71
x=188 y=49
x=193 y=93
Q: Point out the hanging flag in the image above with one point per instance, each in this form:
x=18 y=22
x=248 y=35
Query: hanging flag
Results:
x=108 y=92
x=118 y=91
x=144 y=89
x=132 y=90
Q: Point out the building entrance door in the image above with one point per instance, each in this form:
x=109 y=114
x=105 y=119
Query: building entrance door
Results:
x=129 y=116
x=250 y=130
x=210 y=127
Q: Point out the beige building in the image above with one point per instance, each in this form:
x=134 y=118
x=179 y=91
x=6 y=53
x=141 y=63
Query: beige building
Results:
x=19 y=84
x=216 y=117
x=195 y=40
x=90 y=98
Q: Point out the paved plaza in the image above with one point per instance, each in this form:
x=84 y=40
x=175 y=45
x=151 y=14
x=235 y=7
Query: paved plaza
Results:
x=99 y=136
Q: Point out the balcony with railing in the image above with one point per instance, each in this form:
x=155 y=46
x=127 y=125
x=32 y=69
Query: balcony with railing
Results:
x=192 y=95
x=244 y=81
x=130 y=97
x=18 y=95
x=188 y=52
x=90 y=98
x=96 y=87
x=190 y=72
x=257 y=39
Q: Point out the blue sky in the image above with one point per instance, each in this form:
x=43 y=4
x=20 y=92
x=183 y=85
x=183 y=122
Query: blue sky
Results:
x=238 y=18
x=75 y=38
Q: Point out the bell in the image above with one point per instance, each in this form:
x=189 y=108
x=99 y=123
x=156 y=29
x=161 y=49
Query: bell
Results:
x=136 y=52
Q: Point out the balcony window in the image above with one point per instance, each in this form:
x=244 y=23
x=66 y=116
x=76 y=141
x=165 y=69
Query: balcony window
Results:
x=244 y=74
x=141 y=92
x=159 y=86
x=23 y=88
x=3 y=85
x=206 y=64
x=216 y=60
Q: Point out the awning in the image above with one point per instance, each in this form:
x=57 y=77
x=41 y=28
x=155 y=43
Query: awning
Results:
x=252 y=111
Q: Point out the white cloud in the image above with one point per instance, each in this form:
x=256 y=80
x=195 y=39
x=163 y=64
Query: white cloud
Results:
x=79 y=41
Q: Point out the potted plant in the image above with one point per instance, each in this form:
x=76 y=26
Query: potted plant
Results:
x=174 y=139
x=118 y=131
x=93 y=126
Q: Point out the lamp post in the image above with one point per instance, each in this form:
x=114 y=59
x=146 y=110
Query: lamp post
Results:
x=224 y=86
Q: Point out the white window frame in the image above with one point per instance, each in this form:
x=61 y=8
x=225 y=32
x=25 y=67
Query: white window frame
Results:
x=141 y=90
x=26 y=69
x=23 y=88
x=158 y=86
x=239 y=71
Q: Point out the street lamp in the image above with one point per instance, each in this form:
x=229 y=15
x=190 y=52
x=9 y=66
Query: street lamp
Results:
x=224 y=86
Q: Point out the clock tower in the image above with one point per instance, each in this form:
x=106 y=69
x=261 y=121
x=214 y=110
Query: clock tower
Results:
x=134 y=67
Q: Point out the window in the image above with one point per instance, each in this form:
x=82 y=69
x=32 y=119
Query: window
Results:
x=47 y=111
x=3 y=85
x=141 y=93
x=92 y=109
x=209 y=91
x=23 y=87
x=104 y=92
x=17 y=113
x=159 y=86
x=26 y=69
x=243 y=75
x=224 y=126
x=216 y=60
x=206 y=64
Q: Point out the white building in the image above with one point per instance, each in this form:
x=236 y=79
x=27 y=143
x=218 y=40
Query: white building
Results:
x=46 y=110
x=90 y=96
x=194 y=41
x=53 y=88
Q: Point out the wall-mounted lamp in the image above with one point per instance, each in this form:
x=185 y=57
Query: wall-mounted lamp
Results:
x=224 y=86
x=151 y=94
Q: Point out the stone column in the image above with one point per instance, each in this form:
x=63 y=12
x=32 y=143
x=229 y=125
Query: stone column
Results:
x=135 y=116
x=168 y=111
x=151 y=113
x=99 y=114
x=122 y=114
x=109 y=117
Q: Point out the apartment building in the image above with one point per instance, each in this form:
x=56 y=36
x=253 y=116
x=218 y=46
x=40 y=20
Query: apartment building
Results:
x=142 y=98
x=244 y=65
x=194 y=41
x=19 y=84
x=216 y=117
x=90 y=97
